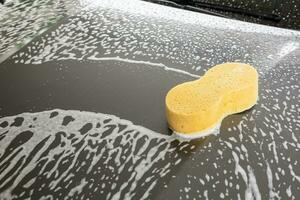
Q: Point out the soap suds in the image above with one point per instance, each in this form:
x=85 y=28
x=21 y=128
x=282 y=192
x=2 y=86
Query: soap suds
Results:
x=211 y=131
x=147 y=63
x=73 y=151
x=154 y=35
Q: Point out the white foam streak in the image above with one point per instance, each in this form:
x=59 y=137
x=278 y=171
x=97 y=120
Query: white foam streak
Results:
x=253 y=184
x=252 y=189
x=293 y=173
x=160 y=65
x=215 y=130
x=78 y=188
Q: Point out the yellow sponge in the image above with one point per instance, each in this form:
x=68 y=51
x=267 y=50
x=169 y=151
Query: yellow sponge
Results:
x=193 y=108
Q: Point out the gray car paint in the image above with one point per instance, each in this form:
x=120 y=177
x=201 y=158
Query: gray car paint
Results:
x=121 y=59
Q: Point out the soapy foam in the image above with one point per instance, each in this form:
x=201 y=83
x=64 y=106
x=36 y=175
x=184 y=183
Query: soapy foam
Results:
x=192 y=51
x=87 y=143
x=49 y=123
x=147 y=63
x=20 y=21
x=215 y=130
x=176 y=45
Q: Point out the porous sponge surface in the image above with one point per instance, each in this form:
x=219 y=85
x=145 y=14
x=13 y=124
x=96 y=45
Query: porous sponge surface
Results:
x=199 y=105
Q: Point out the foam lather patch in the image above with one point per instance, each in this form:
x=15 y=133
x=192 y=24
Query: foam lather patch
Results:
x=195 y=108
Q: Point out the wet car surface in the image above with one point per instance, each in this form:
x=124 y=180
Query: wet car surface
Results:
x=83 y=114
x=279 y=13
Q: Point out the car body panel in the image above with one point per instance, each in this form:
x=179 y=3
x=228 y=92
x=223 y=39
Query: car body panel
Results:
x=120 y=59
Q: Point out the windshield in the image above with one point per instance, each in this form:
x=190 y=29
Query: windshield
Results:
x=279 y=13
